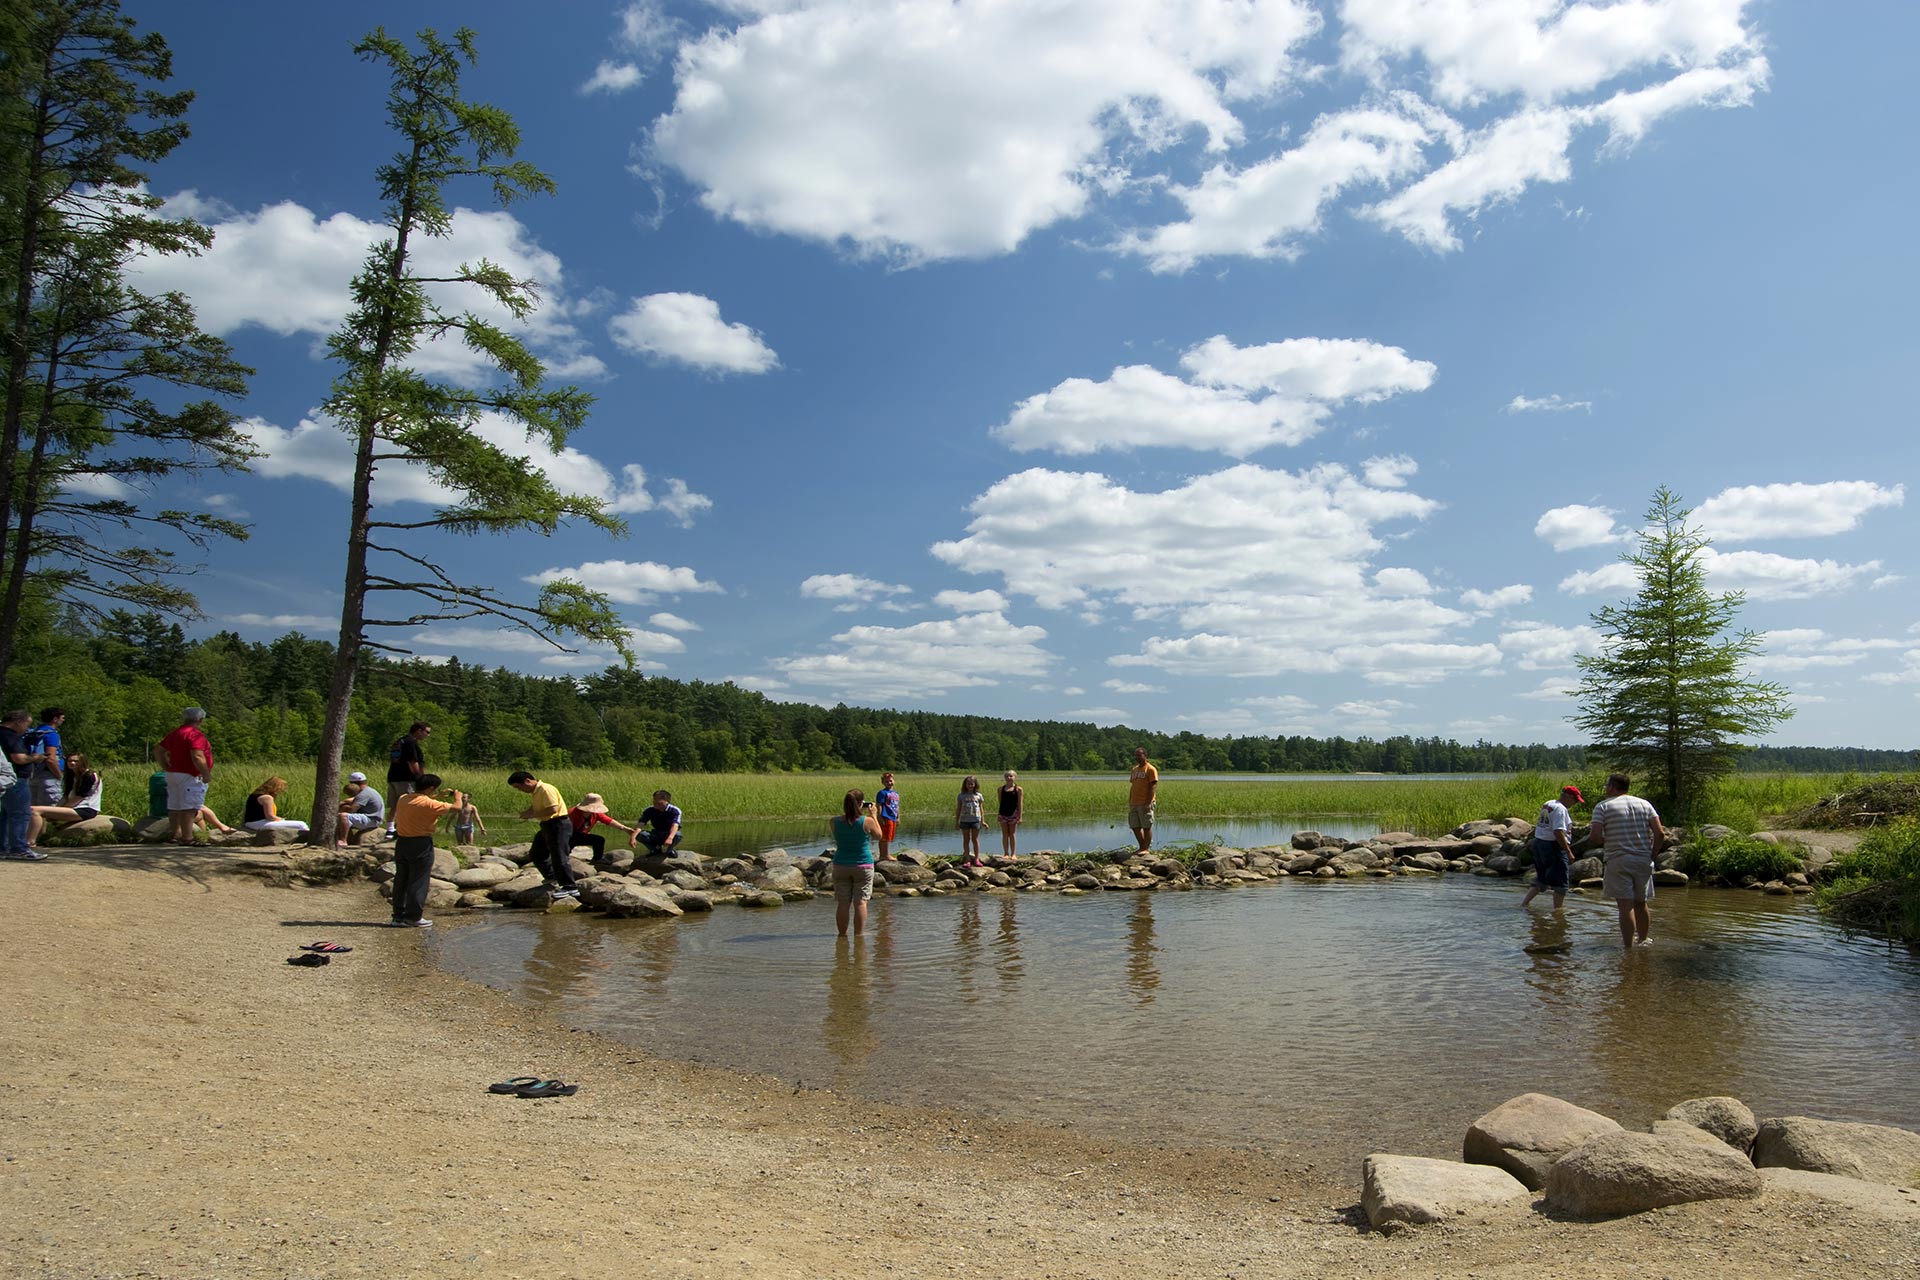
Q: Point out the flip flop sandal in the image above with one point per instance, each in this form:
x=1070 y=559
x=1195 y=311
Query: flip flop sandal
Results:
x=548 y=1089
x=326 y=948
x=514 y=1085
x=308 y=959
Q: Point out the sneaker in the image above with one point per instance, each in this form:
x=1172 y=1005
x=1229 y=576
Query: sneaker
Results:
x=413 y=924
x=31 y=855
x=567 y=891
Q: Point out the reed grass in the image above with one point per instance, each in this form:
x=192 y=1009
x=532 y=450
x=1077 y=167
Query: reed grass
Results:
x=1425 y=807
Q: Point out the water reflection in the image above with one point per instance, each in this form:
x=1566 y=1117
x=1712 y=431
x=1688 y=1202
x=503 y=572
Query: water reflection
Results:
x=1006 y=943
x=848 y=1030
x=1343 y=983
x=1143 y=975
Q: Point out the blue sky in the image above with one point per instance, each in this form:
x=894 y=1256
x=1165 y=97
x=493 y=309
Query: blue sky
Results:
x=1248 y=366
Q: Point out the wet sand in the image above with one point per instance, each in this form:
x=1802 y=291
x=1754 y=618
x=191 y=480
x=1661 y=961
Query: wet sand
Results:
x=180 y=1102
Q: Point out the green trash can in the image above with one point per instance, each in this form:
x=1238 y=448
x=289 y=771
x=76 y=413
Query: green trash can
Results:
x=157 y=795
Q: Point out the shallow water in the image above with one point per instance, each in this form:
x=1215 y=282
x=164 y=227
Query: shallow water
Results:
x=728 y=839
x=1314 y=1020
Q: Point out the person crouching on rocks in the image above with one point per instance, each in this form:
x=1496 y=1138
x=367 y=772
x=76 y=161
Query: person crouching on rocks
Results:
x=1552 y=847
x=661 y=823
x=591 y=812
x=415 y=815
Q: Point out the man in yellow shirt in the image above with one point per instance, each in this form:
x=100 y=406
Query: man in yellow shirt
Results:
x=1142 y=784
x=414 y=817
x=555 y=836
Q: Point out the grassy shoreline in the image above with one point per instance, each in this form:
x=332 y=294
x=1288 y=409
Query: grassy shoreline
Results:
x=1425 y=807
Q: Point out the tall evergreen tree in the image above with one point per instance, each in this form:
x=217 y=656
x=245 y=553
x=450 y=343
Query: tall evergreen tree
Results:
x=394 y=413
x=1666 y=696
x=81 y=113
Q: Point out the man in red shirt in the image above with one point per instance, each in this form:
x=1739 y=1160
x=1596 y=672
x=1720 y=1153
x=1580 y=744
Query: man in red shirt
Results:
x=188 y=760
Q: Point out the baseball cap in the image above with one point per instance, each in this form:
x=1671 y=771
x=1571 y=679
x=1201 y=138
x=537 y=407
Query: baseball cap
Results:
x=1574 y=791
x=356 y=776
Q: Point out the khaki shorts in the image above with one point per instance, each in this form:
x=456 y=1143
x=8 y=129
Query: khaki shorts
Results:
x=1140 y=816
x=1628 y=878
x=853 y=884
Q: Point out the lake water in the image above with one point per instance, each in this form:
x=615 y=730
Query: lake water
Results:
x=1313 y=1020
x=727 y=839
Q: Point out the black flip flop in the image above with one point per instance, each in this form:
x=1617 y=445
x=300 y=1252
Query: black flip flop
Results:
x=309 y=960
x=326 y=948
x=547 y=1089
x=514 y=1085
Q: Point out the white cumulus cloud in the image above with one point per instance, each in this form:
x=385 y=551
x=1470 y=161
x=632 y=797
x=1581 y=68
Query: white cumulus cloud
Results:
x=1568 y=528
x=687 y=328
x=1554 y=403
x=632 y=582
x=926 y=659
x=1494 y=601
x=1236 y=400
x=1748 y=512
x=613 y=77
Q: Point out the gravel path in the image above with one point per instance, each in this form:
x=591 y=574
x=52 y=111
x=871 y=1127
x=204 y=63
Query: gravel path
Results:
x=181 y=1103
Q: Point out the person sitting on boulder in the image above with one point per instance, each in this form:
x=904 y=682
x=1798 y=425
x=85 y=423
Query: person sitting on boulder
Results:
x=591 y=812
x=82 y=786
x=362 y=809
x=263 y=809
x=662 y=823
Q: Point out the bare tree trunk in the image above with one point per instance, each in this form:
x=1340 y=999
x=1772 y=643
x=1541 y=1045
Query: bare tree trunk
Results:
x=22 y=547
x=346 y=658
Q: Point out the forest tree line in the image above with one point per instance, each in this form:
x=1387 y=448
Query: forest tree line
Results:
x=124 y=679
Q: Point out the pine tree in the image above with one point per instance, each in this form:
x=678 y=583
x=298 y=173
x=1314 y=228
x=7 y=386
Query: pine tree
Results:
x=1665 y=697
x=394 y=413
x=85 y=353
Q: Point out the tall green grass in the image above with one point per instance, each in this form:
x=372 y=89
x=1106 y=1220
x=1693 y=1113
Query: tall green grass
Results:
x=1877 y=885
x=1423 y=807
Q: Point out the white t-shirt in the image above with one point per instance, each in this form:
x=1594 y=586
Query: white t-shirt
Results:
x=1553 y=817
x=1626 y=826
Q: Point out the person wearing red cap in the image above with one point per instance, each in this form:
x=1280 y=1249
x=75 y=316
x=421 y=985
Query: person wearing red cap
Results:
x=1553 y=847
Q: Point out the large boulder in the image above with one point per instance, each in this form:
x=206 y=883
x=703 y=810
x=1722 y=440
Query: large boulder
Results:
x=616 y=860
x=895 y=871
x=445 y=865
x=510 y=890
x=261 y=839
x=1416 y=1190
x=518 y=854
x=1633 y=1172
x=690 y=900
x=632 y=900
x=484 y=875
x=785 y=878
x=1727 y=1119
x=1525 y=1135
x=1870 y=1152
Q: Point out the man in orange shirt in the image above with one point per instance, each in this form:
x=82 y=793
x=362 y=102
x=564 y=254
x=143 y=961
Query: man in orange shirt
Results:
x=414 y=817
x=1142 y=785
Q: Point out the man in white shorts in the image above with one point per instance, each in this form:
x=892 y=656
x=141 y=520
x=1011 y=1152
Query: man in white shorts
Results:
x=187 y=757
x=1632 y=834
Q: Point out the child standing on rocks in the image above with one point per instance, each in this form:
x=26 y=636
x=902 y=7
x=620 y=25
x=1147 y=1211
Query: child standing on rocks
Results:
x=967 y=813
x=888 y=816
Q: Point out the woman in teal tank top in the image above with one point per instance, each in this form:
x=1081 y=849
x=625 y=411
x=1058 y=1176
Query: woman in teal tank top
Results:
x=853 y=830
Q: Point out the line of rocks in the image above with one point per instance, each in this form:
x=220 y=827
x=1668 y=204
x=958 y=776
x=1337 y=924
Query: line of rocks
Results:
x=624 y=885
x=1582 y=1164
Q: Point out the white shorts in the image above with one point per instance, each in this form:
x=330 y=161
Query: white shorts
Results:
x=186 y=791
x=361 y=821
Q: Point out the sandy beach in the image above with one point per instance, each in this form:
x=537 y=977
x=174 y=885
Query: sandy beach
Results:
x=180 y=1102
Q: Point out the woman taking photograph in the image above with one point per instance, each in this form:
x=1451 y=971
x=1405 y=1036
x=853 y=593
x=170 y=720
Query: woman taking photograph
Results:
x=853 y=830
x=263 y=809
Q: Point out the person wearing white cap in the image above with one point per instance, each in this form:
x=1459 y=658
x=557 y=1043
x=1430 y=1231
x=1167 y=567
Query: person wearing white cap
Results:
x=362 y=809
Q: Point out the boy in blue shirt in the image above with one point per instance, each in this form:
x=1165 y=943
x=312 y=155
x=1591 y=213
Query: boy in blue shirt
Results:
x=887 y=801
x=662 y=823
